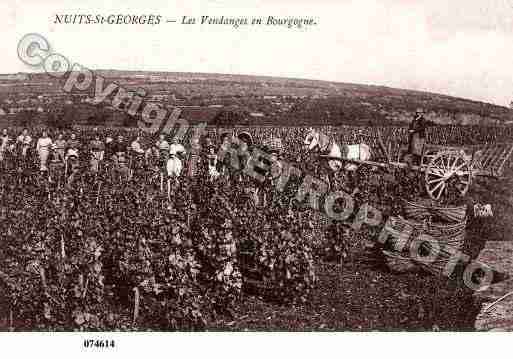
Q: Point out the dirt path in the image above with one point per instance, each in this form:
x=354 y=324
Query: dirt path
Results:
x=364 y=297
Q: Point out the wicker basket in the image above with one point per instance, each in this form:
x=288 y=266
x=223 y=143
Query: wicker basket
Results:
x=403 y=230
x=437 y=266
x=447 y=239
x=428 y=211
x=452 y=235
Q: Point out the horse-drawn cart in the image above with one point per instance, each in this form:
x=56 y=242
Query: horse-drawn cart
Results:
x=453 y=168
x=450 y=169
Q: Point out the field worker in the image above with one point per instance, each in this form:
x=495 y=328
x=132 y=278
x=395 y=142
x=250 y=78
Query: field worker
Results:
x=213 y=172
x=275 y=159
x=245 y=149
x=224 y=159
x=176 y=156
x=72 y=158
x=417 y=136
x=138 y=154
x=59 y=148
x=162 y=144
x=4 y=143
x=97 y=148
x=43 y=147
x=72 y=145
x=109 y=147
x=120 y=148
x=176 y=149
x=72 y=148
x=24 y=140
x=120 y=145
x=136 y=147
x=194 y=164
x=163 y=150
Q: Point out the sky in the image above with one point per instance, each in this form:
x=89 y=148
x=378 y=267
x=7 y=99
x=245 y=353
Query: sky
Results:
x=458 y=47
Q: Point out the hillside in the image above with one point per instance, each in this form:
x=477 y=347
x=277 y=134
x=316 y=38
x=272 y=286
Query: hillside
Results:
x=257 y=100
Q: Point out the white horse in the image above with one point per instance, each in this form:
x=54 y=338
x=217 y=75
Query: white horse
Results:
x=327 y=147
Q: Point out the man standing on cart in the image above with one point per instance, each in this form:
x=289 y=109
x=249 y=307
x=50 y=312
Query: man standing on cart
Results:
x=417 y=137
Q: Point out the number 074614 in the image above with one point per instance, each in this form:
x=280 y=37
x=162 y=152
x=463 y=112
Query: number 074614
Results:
x=99 y=343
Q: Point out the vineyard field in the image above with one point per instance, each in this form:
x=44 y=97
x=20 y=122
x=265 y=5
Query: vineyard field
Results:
x=124 y=256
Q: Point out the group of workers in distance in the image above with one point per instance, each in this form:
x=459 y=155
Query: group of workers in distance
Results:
x=168 y=155
x=61 y=150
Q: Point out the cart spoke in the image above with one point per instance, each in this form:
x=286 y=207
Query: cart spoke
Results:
x=456 y=163
x=436 y=180
x=447 y=173
x=445 y=163
x=457 y=169
x=436 y=172
x=435 y=188
x=441 y=190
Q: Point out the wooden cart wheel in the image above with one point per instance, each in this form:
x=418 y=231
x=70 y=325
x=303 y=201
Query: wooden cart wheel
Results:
x=428 y=154
x=448 y=172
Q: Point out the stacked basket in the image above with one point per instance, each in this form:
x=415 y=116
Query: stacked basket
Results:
x=443 y=230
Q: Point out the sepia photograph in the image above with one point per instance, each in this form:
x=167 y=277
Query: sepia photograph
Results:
x=272 y=167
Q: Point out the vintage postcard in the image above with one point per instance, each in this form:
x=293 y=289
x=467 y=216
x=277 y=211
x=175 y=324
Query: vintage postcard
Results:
x=215 y=166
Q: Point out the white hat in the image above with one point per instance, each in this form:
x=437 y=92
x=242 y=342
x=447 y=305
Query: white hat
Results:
x=72 y=153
